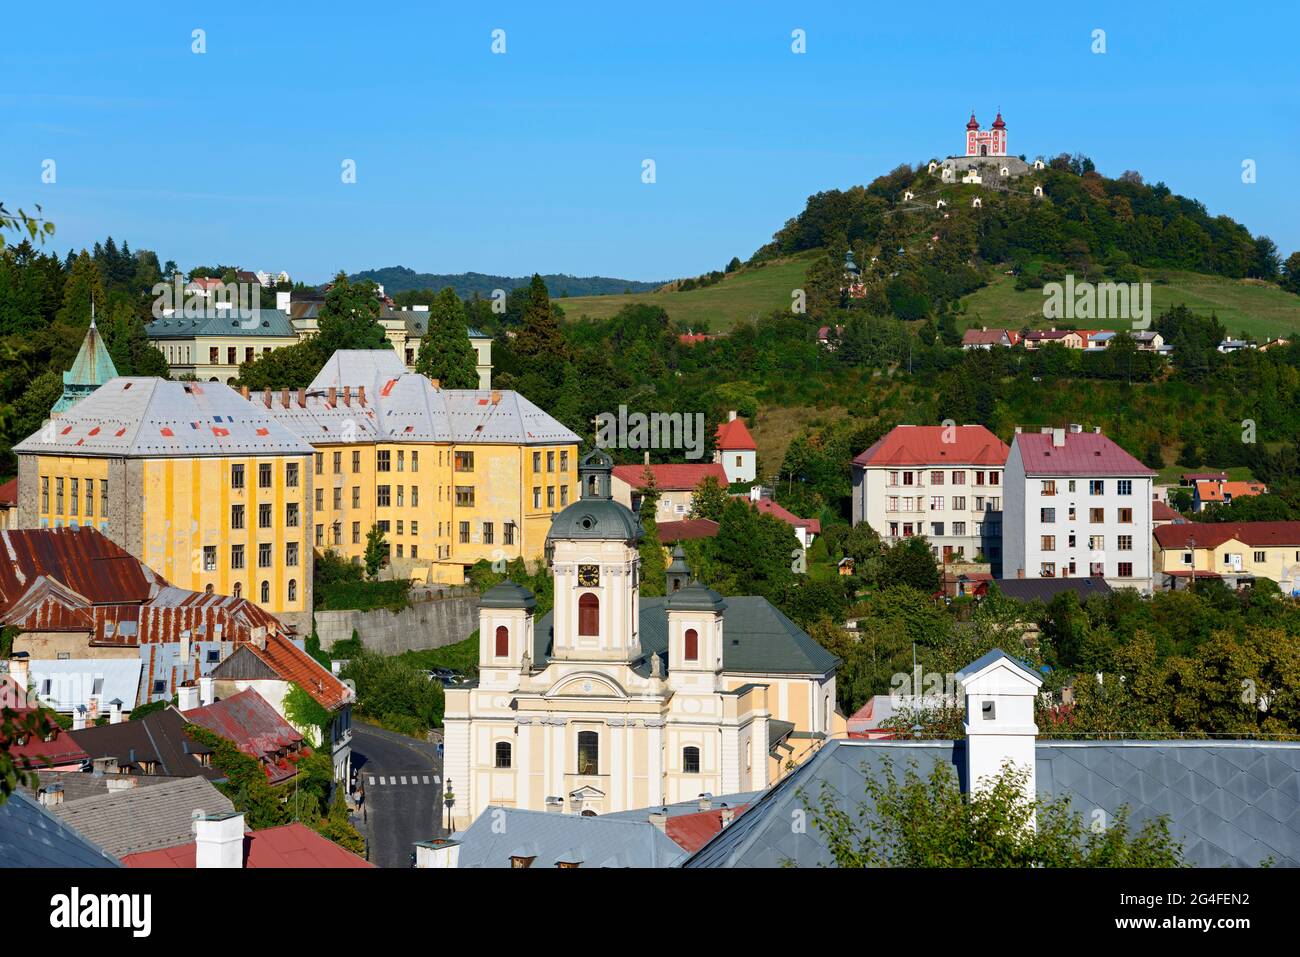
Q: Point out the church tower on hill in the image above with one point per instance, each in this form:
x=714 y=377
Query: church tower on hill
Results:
x=990 y=142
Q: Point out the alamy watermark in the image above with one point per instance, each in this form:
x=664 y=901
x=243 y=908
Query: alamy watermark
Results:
x=234 y=300
x=657 y=430
x=1129 y=302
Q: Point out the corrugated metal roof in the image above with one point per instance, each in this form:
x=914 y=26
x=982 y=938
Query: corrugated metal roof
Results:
x=260 y=323
x=82 y=559
x=148 y=417
x=74 y=681
x=255 y=727
x=601 y=841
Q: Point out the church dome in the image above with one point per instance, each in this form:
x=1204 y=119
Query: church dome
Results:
x=596 y=516
x=974 y=124
x=999 y=123
x=508 y=595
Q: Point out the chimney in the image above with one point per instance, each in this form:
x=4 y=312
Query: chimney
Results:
x=999 y=724
x=79 y=718
x=1017 y=430
x=259 y=637
x=731 y=416
x=660 y=819
x=18 y=671
x=187 y=698
x=1075 y=428
x=555 y=805
x=122 y=782
x=243 y=390
x=1096 y=430
x=334 y=396
x=347 y=395
x=361 y=395
x=283 y=300
x=302 y=398
x=284 y=398
x=51 y=795
x=266 y=396
x=115 y=714
x=706 y=801
x=647 y=456
x=1058 y=438
x=205 y=691
x=219 y=840
x=437 y=383
x=727 y=816
x=104 y=765
x=439 y=852
x=496 y=397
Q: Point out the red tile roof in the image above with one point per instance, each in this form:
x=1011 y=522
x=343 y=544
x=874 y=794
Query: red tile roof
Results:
x=290 y=845
x=733 y=436
x=1084 y=453
x=255 y=727
x=687 y=530
x=986 y=337
x=769 y=507
x=691 y=832
x=36 y=752
x=909 y=445
x=1214 y=534
x=1160 y=512
x=293 y=664
x=673 y=477
x=9 y=494
x=1213 y=491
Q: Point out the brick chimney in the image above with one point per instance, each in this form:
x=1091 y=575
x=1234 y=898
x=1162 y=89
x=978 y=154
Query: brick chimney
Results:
x=361 y=395
x=302 y=398
x=284 y=398
x=334 y=396
x=266 y=396
x=219 y=840
x=347 y=395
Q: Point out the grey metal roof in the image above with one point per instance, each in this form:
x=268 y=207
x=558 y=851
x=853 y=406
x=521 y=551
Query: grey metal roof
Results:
x=144 y=818
x=686 y=807
x=30 y=836
x=85 y=784
x=507 y=594
x=149 y=417
x=997 y=654
x=759 y=639
x=603 y=841
x=596 y=519
x=1045 y=589
x=262 y=322
x=1231 y=804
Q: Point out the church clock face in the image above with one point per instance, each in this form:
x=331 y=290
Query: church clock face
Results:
x=589 y=576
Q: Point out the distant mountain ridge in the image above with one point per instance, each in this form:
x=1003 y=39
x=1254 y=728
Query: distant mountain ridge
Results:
x=396 y=279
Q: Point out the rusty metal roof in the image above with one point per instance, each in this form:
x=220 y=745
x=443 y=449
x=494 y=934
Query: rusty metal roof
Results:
x=82 y=559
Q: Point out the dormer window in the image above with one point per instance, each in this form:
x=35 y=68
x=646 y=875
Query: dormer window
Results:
x=989 y=710
x=518 y=860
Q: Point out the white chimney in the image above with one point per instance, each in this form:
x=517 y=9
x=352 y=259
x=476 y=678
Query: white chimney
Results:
x=660 y=819
x=1075 y=428
x=115 y=714
x=731 y=416
x=19 y=671
x=205 y=691
x=439 y=852
x=1058 y=438
x=79 y=718
x=555 y=805
x=219 y=840
x=122 y=782
x=283 y=300
x=727 y=816
x=51 y=795
x=187 y=698
x=706 y=801
x=999 y=723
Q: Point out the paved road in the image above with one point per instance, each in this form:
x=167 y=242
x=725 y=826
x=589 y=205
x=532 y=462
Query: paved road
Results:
x=402 y=778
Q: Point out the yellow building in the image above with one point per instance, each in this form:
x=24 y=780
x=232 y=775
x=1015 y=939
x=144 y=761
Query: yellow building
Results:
x=450 y=476
x=212 y=495
x=211 y=347
x=1236 y=552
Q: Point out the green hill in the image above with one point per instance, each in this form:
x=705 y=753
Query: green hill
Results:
x=747 y=293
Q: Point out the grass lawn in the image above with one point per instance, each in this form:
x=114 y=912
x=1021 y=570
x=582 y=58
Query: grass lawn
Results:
x=1260 y=309
x=777 y=426
x=745 y=294
x=461 y=657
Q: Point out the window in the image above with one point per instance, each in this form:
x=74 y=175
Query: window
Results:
x=909 y=478
x=382 y=463
x=338 y=462
x=356 y=461
x=691 y=760
x=214 y=355
x=291 y=554
x=1096 y=542
x=415 y=460
x=401 y=460
x=266 y=592
x=1049 y=543
x=936 y=529
x=1125 y=569
x=464 y=533
x=1187 y=558
x=1126 y=516
x=1096 y=487
x=231 y=353
x=588 y=752
x=464 y=496
x=293 y=589
x=356 y=496
x=90 y=497
x=415 y=527
x=995 y=478
x=936 y=503
x=415 y=496
x=264 y=555
x=236 y=516
x=537 y=496
x=320 y=535
x=508 y=533
x=337 y=499
x=356 y=533
x=691 y=644
x=488 y=534
x=958 y=478
x=264 y=515
x=979 y=503
x=401 y=495
x=1259 y=556
x=45 y=493
x=1047 y=570
x=1047 y=516
x=75 y=497
x=503 y=642
x=959 y=528
x=383 y=495
x=503 y=754
x=564 y=460
x=58 y=496
x=893 y=503
x=959 y=503
x=291 y=475
x=264 y=475
x=1096 y=515
x=291 y=515
x=1125 y=487
x=209 y=558
x=936 y=478
x=236 y=556
x=588 y=615
x=537 y=461
x=979 y=478
x=1049 y=487
x=550 y=496
x=550 y=461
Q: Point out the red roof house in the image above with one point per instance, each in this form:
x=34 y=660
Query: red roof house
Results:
x=671 y=477
x=922 y=445
x=256 y=728
x=290 y=845
x=734 y=436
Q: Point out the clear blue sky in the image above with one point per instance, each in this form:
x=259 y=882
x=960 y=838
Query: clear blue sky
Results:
x=531 y=161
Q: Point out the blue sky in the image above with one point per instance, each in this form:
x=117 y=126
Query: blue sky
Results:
x=531 y=160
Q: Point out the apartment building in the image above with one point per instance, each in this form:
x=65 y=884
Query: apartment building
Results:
x=210 y=494
x=943 y=482
x=1077 y=505
x=211 y=347
x=450 y=476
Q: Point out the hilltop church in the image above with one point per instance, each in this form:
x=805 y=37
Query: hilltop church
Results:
x=984 y=155
x=612 y=701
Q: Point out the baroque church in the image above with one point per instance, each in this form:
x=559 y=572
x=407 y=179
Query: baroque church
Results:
x=612 y=701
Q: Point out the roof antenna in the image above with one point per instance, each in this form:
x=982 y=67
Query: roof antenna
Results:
x=92 y=312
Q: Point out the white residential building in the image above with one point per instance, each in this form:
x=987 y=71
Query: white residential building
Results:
x=943 y=482
x=1077 y=505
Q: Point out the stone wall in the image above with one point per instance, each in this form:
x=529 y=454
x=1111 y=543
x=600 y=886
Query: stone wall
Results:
x=438 y=616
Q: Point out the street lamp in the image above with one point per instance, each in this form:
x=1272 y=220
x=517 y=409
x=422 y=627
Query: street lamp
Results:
x=449 y=799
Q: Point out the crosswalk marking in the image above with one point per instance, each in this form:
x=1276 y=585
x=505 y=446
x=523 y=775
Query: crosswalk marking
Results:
x=403 y=778
x=397 y=780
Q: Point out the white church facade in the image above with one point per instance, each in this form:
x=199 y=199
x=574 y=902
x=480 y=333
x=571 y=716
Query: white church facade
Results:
x=612 y=701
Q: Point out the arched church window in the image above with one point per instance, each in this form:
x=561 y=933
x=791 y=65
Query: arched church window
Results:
x=293 y=589
x=503 y=754
x=266 y=592
x=503 y=644
x=692 y=652
x=588 y=615
x=588 y=752
x=691 y=760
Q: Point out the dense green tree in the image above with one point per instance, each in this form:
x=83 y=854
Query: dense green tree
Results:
x=445 y=350
x=349 y=319
x=376 y=551
x=709 y=500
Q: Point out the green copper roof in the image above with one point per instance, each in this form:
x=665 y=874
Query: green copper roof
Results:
x=91 y=369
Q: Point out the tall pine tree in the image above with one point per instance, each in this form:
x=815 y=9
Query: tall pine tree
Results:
x=445 y=350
